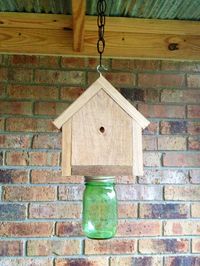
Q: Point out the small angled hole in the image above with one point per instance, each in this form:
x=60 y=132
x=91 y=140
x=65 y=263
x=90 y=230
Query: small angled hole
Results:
x=102 y=129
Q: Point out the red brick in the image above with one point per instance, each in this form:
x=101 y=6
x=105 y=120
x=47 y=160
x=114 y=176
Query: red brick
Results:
x=182 y=193
x=22 y=229
x=15 y=141
x=193 y=81
x=24 y=60
x=162 y=111
x=2 y=90
x=138 y=192
x=47 y=141
x=185 y=228
x=26 y=262
x=119 y=78
x=58 y=210
x=3 y=74
x=30 y=125
x=170 y=65
x=15 y=108
x=135 y=64
x=182 y=261
x=2 y=122
x=96 y=261
x=164 y=211
x=180 y=66
x=9 y=211
x=152 y=158
x=13 y=176
x=125 y=179
x=17 y=158
x=20 y=74
x=139 y=228
x=195 y=245
x=62 y=77
x=149 y=143
x=143 y=95
x=22 y=193
x=11 y=248
x=73 y=62
x=193 y=111
x=172 y=143
x=145 y=64
x=173 y=127
x=4 y=59
x=127 y=210
x=195 y=210
x=113 y=246
x=48 y=177
x=154 y=246
x=194 y=143
x=152 y=129
x=53 y=247
x=136 y=261
x=120 y=64
x=71 y=93
x=161 y=80
x=181 y=159
x=32 y=158
x=50 y=108
x=49 y=61
x=193 y=128
x=32 y=92
x=180 y=96
x=168 y=176
x=1 y=158
x=195 y=176
x=94 y=62
x=71 y=192
x=69 y=228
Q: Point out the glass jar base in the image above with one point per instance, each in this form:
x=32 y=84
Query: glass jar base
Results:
x=99 y=235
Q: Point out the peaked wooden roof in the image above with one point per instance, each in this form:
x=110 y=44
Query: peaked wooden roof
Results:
x=101 y=84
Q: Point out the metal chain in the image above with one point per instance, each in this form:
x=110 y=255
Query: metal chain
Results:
x=101 y=19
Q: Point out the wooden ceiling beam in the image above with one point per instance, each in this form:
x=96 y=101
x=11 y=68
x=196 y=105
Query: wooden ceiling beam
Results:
x=24 y=33
x=78 y=17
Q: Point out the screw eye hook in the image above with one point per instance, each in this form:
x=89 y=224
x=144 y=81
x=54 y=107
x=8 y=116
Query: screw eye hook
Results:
x=100 y=68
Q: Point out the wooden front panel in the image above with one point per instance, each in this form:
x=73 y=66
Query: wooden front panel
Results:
x=101 y=134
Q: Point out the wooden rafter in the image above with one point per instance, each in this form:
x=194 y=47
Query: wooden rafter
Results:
x=125 y=37
x=78 y=17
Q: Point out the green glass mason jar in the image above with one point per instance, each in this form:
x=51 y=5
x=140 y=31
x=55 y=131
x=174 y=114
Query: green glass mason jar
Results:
x=99 y=207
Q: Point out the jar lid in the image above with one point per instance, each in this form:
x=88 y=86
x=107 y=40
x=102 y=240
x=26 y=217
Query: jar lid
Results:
x=99 y=178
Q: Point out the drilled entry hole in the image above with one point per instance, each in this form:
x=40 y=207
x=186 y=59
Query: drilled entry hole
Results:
x=102 y=129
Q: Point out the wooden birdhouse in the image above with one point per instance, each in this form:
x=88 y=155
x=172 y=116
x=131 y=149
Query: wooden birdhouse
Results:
x=101 y=134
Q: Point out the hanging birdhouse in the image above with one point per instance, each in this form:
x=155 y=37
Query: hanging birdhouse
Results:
x=101 y=134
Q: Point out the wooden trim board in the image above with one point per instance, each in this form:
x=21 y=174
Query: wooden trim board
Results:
x=25 y=33
x=66 y=148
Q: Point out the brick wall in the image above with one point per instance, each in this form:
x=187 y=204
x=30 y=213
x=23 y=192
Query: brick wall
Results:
x=40 y=211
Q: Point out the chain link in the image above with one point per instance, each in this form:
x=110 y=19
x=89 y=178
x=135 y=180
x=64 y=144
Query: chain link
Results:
x=101 y=20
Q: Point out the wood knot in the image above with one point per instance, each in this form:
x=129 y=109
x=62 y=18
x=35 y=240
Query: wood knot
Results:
x=173 y=46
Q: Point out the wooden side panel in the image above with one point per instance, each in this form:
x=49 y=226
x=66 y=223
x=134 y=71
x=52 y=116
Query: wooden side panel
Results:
x=78 y=15
x=101 y=134
x=137 y=150
x=66 y=148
